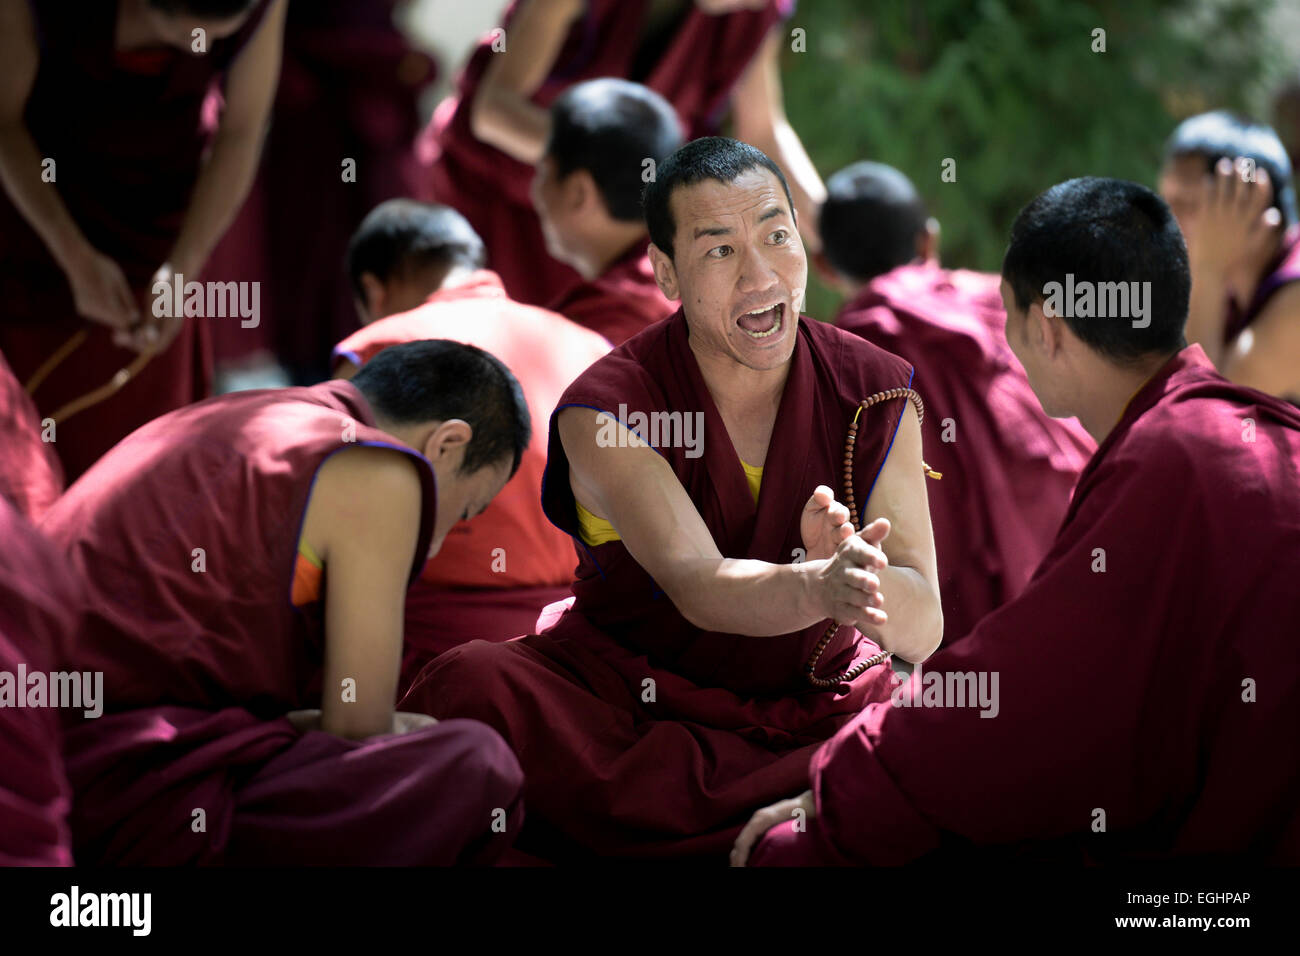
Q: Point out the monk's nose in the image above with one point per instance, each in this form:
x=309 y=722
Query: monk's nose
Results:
x=756 y=274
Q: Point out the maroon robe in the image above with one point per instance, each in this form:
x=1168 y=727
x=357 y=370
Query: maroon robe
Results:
x=733 y=719
x=127 y=132
x=31 y=477
x=1284 y=269
x=696 y=72
x=350 y=84
x=1008 y=469
x=38 y=598
x=200 y=663
x=1164 y=690
x=620 y=302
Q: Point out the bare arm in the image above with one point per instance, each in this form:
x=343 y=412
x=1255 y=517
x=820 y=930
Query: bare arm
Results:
x=1266 y=356
x=911 y=582
x=228 y=174
x=99 y=287
x=758 y=111
x=636 y=491
x=502 y=113
x=363 y=522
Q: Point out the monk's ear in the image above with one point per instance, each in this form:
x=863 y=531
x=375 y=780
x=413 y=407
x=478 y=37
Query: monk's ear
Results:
x=665 y=272
x=374 y=295
x=578 y=191
x=1044 y=330
x=447 y=442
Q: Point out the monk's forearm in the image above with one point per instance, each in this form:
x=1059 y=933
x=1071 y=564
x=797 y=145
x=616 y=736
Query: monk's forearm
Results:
x=39 y=201
x=220 y=191
x=512 y=124
x=1205 y=313
x=741 y=596
x=915 y=625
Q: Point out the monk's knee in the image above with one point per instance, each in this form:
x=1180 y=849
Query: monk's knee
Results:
x=458 y=683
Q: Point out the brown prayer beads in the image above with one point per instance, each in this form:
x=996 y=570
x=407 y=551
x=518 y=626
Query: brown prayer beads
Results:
x=862 y=666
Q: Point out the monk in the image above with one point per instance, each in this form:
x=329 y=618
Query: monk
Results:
x=1229 y=182
x=1008 y=469
x=107 y=197
x=31 y=477
x=606 y=136
x=729 y=613
x=246 y=560
x=417 y=271
x=703 y=56
x=38 y=618
x=1141 y=698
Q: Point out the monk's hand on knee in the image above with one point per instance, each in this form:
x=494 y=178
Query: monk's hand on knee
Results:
x=851 y=578
x=824 y=524
x=802 y=808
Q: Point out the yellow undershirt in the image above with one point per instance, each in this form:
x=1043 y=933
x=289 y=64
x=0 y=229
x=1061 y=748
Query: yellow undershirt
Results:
x=594 y=530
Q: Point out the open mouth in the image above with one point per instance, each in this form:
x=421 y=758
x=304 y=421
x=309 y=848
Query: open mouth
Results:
x=764 y=322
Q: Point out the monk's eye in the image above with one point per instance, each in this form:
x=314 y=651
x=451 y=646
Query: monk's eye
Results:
x=465 y=516
x=720 y=252
x=780 y=236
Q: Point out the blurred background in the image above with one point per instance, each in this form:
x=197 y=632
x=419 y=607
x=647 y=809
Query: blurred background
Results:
x=1011 y=90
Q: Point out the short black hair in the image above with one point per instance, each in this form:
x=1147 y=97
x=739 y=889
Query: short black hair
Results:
x=870 y=220
x=402 y=236
x=205 y=9
x=436 y=380
x=610 y=127
x=711 y=157
x=1104 y=230
x=1221 y=134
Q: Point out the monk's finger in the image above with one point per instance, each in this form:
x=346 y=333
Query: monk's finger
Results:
x=862 y=554
x=758 y=824
x=838 y=513
x=822 y=497
x=876 y=532
x=862 y=580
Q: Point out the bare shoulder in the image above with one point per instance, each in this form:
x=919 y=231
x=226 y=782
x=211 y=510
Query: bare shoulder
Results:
x=359 y=486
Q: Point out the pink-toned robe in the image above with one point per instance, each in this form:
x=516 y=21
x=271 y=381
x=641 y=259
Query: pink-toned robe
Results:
x=1008 y=469
x=640 y=734
x=31 y=477
x=38 y=618
x=696 y=72
x=1148 y=698
x=203 y=654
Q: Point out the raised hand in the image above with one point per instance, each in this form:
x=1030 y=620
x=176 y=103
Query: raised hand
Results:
x=824 y=524
x=1237 y=231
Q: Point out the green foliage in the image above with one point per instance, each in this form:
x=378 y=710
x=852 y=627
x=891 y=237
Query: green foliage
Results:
x=1012 y=90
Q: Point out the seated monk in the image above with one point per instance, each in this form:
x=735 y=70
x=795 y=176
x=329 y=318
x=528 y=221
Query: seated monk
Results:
x=1144 y=690
x=1008 y=469
x=587 y=194
x=417 y=270
x=246 y=560
x=38 y=601
x=729 y=612
x=31 y=477
x=1229 y=182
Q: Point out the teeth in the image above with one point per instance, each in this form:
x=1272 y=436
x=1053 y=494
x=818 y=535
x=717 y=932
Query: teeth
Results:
x=776 y=326
x=760 y=311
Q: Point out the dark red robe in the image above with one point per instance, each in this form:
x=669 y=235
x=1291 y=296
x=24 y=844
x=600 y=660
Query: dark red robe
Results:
x=201 y=662
x=1008 y=469
x=127 y=132
x=620 y=302
x=38 y=602
x=350 y=83
x=496 y=572
x=696 y=72
x=31 y=477
x=733 y=719
x=1284 y=269
x=1162 y=691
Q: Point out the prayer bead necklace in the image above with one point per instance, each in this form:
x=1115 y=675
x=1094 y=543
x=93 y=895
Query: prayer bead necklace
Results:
x=862 y=666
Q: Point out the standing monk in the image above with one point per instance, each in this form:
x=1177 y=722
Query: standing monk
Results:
x=700 y=55
x=106 y=191
x=606 y=137
x=38 y=621
x=417 y=270
x=1229 y=182
x=1008 y=469
x=246 y=560
x=728 y=617
x=1141 y=698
